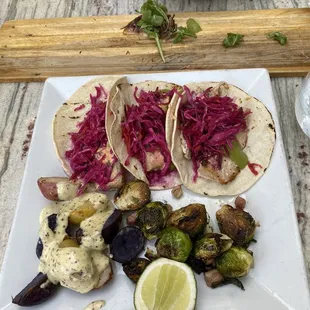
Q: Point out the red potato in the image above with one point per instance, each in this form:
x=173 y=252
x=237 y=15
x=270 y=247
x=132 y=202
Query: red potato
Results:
x=50 y=190
x=58 y=188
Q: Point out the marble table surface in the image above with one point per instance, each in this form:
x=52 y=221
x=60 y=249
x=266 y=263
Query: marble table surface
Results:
x=19 y=102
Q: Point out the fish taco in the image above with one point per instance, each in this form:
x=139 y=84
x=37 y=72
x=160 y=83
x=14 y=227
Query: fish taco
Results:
x=80 y=137
x=222 y=138
x=139 y=135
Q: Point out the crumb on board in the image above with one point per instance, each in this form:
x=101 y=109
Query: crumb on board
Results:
x=27 y=141
x=300 y=216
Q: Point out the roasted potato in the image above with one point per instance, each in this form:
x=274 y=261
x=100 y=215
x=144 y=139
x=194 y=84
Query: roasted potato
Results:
x=56 y=188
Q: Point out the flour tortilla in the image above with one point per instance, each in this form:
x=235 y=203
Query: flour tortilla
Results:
x=259 y=147
x=66 y=121
x=124 y=96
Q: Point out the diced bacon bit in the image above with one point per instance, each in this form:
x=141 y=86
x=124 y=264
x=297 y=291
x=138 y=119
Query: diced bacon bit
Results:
x=80 y=107
x=177 y=192
x=213 y=278
x=131 y=219
x=240 y=203
x=253 y=168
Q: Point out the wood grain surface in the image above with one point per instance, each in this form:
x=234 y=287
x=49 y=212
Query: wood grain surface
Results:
x=19 y=102
x=32 y=50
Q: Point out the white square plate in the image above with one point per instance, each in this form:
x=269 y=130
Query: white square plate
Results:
x=278 y=280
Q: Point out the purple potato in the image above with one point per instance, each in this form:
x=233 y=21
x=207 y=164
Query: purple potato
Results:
x=35 y=292
x=111 y=226
x=52 y=221
x=127 y=244
x=39 y=248
x=78 y=235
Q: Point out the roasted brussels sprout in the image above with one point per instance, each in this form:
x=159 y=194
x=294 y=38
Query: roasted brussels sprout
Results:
x=127 y=244
x=237 y=224
x=191 y=219
x=151 y=254
x=197 y=265
x=36 y=292
x=234 y=263
x=135 y=268
x=174 y=244
x=211 y=246
x=111 y=226
x=152 y=218
x=132 y=196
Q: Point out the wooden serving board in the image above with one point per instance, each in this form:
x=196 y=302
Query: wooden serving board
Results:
x=32 y=50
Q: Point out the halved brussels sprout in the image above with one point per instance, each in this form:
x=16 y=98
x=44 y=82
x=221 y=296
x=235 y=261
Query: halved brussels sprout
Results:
x=132 y=196
x=174 y=244
x=211 y=246
x=152 y=218
x=234 y=263
x=237 y=224
x=135 y=268
x=191 y=219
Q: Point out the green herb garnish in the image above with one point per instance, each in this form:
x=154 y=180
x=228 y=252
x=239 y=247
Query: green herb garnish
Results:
x=232 y=39
x=278 y=36
x=192 y=27
x=237 y=155
x=158 y=24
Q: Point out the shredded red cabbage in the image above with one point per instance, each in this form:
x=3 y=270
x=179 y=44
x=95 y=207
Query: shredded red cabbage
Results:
x=209 y=125
x=143 y=130
x=86 y=156
x=80 y=107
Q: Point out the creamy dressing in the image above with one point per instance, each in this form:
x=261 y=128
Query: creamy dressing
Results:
x=95 y=305
x=67 y=190
x=78 y=268
x=92 y=228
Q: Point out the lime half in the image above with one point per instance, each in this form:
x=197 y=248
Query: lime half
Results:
x=166 y=285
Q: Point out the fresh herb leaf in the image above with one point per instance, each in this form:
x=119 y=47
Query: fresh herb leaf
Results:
x=181 y=33
x=154 y=20
x=155 y=9
x=193 y=26
x=232 y=39
x=278 y=36
x=158 y=24
x=190 y=31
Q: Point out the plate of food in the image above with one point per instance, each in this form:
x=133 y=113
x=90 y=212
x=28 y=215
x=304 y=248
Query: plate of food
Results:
x=156 y=191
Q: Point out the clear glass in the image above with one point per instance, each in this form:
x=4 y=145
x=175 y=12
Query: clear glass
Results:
x=302 y=106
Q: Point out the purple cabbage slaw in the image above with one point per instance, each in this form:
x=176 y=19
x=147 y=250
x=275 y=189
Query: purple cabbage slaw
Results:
x=210 y=125
x=143 y=130
x=84 y=157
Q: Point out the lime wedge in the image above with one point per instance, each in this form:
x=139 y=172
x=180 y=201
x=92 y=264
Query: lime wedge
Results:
x=166 y=285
